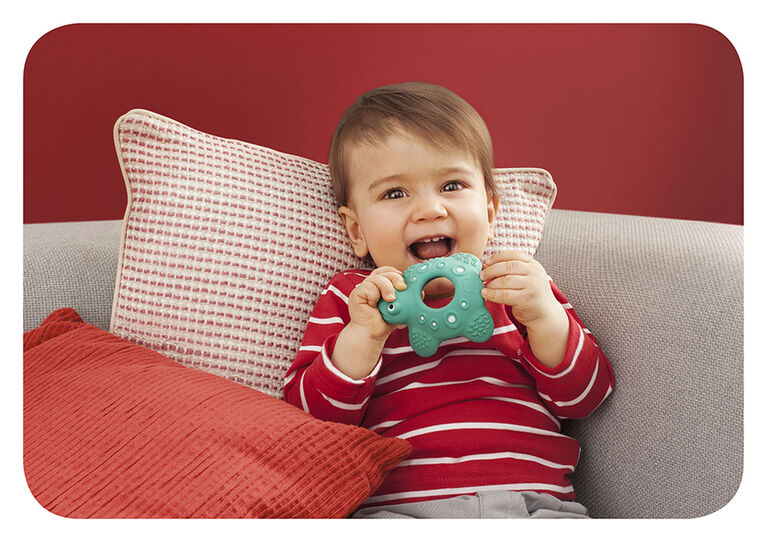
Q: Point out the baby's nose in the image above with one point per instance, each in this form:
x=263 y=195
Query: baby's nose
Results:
x=429 y=208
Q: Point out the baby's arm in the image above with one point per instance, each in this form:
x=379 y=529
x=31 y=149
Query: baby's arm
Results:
x=314 y=382
x=517 y=280
x=361 y=342
x=572 y=373
x=584 y=378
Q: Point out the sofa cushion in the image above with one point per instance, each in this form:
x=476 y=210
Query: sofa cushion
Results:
x=226 y=246
x=112 y=429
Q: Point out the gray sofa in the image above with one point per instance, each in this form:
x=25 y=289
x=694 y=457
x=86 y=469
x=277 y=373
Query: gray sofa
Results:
x=663 y=297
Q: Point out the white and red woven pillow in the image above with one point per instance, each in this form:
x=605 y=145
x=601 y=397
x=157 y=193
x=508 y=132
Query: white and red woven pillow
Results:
x=226 y=246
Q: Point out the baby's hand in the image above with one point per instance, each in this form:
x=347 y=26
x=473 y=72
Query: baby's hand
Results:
x=519 y=281
x=361 y=341
x=363 y=302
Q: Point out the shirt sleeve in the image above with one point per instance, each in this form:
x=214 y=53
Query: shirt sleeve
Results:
x=313 y=383
x=584 y=378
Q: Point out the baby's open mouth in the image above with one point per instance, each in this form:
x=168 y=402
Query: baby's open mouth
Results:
x=436 y=247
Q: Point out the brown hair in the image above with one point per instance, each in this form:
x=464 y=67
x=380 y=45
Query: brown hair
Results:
x=430 y=112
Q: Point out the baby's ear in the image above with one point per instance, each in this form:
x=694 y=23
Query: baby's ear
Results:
x=353 y=230
x=493 y=203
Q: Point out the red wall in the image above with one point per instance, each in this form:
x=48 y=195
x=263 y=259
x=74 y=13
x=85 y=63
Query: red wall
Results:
x=636 y=119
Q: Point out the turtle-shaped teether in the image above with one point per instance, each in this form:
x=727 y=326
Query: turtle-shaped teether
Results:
x=465 y=316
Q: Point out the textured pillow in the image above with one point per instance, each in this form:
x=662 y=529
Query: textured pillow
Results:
x=112 y=429
x=226 y=246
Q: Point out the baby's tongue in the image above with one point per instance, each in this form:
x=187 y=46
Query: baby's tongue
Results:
x=431 y=249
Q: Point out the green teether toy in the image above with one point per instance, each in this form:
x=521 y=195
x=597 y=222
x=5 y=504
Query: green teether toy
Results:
x=465 y=316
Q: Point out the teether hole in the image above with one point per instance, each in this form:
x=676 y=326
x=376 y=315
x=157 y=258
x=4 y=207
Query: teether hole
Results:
x=439 y=288
x=451 y=319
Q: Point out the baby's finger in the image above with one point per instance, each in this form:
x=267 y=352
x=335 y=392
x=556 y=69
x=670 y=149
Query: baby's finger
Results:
x=393 y=274
x=367 y=292
x=501 y=296
x=507 y=255
x=508 y=282
x=384 y=270
x=385 y=286
x=504 y=267
x=397 y=280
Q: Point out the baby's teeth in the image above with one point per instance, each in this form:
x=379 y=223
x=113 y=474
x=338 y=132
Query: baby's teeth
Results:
x=432 y=240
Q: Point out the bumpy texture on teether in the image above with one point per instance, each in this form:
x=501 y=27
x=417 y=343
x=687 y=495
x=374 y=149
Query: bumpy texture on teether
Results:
x=465 y=316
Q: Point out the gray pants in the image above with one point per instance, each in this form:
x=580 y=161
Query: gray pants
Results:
x=485 y=504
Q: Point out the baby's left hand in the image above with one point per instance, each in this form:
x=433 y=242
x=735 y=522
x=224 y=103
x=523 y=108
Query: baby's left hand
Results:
x=518 y=280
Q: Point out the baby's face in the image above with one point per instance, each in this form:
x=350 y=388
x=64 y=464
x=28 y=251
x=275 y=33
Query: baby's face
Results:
x=410 y=201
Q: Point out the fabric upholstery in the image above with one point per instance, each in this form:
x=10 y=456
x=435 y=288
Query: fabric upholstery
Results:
x=70 y=264
x=228 y=245
x=665 y=300
x=115 y=430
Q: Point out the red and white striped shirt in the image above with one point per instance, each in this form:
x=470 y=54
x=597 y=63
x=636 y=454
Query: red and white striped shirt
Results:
x=479 y=417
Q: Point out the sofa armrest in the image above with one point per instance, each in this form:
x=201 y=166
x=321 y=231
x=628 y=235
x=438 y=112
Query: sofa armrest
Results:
x=70 y=264
x=664 y=299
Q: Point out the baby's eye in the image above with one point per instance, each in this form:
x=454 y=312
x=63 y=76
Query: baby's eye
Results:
x=452 y=186
x=394 y=193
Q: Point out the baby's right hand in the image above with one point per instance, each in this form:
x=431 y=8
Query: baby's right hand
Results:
x=363 y=301
x=361 y=341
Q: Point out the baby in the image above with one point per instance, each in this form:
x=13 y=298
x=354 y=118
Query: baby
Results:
x=411 y=166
